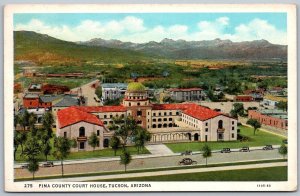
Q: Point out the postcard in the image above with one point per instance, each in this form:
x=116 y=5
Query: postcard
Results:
x=141 y=98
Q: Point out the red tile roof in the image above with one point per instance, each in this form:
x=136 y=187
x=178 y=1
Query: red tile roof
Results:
x=118 y=108
x=72 y=115
x=185 y=89
x=201 y=113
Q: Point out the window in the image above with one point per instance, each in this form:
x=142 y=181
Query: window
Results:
x=170 y=119
x=104 y=116
x=170 y=113
x=138 y=103
x=159 y=114
x=139 y=122
x=154 y=114
x=233 y=122
x=65 y=134
x=232 y=135
x=111 y=116
x=165 y=113
x=206 y=124
x=220 y=124
x=154 y=120
x=165 y=119
x=98 y=132
x=105 y=122
x=206 y=129
x=159 y=120
x=129 y=104
x=177 y=113
x=81 y=145
x=232 y=128
x=81 y=132
x=139 y=113
x=206 y=138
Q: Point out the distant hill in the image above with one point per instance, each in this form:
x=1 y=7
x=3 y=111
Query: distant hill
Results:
x=206 y=49
x=43 y=49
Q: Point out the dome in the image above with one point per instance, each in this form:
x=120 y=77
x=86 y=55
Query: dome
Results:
x=136 y=86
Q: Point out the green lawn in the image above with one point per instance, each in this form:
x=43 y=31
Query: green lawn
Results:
x=261 y=138
x=261 y=174
x=85 y=154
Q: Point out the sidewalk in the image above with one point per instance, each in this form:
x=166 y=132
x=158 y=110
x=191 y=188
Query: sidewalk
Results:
x=159 y=149
x=167 y=172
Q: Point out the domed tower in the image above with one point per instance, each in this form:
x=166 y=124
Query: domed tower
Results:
x=137 y=103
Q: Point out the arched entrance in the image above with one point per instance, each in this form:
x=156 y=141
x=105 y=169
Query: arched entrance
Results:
x=196 y=137
x=106 y=143
x=189 y=136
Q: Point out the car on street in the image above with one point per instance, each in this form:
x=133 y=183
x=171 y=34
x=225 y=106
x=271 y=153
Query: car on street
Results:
x=188 y=152
x=225 y=150
x=48 y=164
x=245 y=149
x=187 y=161
x=25 y=166
x=268 y=147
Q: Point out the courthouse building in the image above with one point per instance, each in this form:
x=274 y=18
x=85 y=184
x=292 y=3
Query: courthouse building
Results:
x=165 y=122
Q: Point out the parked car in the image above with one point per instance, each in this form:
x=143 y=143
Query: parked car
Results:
x=268 y=147
x=48 y=164
x=188 y=152
x=226 y=150
x=187 y=161
x=285 y=141
x=245 y=149
x=25 y=166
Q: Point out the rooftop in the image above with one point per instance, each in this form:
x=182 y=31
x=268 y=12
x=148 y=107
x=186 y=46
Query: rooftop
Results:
x=31 y=96
x=200 y=112
x=49 y=98
x=72 y=115
x=114 y=85
x=93 y=109
x=275 y=98
x=67 y=101
x=185 y=89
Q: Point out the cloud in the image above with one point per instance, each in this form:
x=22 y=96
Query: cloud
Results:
x=133 y=29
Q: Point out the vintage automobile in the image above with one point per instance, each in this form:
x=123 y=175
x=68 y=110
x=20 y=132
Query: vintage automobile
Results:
x=245 y=149
x=25 y=166
x=48 y=164
x=268 y=147
x=187 y=161
x=188 y=152
x=226 y=150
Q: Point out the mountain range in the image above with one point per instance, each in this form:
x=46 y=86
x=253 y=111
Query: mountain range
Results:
x=206 y=49
x=44 y=49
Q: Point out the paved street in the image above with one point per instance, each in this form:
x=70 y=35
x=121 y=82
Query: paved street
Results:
x=169 y=172
x=149 y=162
x=89 y=92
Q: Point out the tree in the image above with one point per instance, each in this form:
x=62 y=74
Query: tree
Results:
x=46 y=149
x=114 y=143
x=238 y=109
x=93 y=140
x=206 y=152
x=98 y=92
x=33 y=166
x=127 y=127
x=17 y=142
x=283 y=150
x=125 y=158
x=23 y=119
x=141 y=137
x=22 y=139
x=283 y=105
x=255 y=124
x=48 y=121
x=62 y=150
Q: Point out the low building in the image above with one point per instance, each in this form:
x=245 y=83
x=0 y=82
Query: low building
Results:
x=271 y=100
x=186 y=94
x=243 y=98
x=31 y=100
x=165 y=122
x=273 y=118
x=111 y=91
x=35 y=88
x=54 y=89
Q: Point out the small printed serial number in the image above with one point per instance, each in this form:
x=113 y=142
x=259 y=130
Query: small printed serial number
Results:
x=28 y=185
x=263 y=185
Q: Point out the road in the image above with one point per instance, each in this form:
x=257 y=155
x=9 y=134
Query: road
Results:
x=89 y=93
x=148 y=162
x=167 y=172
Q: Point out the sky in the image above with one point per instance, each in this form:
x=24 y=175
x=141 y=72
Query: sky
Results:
x=145 y=27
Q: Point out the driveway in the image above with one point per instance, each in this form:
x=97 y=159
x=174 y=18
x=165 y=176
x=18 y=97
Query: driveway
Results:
x=159 y=149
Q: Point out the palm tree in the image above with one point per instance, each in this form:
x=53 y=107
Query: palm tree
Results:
x=62 y=150
x=206 y=152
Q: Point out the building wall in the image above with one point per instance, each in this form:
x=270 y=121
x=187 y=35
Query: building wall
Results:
x=268 y=120
x=31 y=103
x=186 y=95
x=164 y=118
x=72 y=132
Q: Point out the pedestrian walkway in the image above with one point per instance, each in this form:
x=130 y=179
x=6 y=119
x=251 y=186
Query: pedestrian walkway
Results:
x=159 y=149
x=167 y=172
